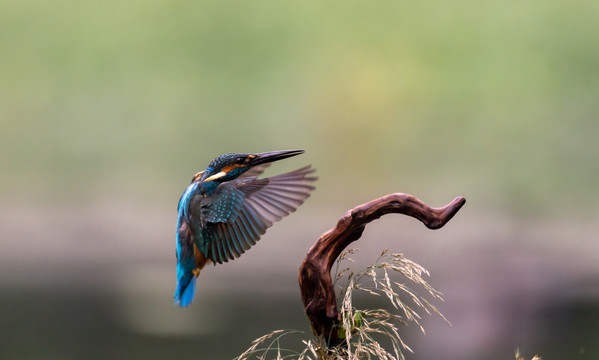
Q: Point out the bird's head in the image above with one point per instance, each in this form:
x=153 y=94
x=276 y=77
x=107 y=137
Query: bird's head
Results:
x=230 y=166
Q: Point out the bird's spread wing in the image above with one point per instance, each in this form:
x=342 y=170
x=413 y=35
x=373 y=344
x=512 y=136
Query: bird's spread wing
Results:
x=242 y=211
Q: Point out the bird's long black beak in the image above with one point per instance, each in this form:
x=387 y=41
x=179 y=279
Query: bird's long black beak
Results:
x=266 y=157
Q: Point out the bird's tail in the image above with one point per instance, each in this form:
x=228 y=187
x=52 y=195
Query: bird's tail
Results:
x=188 y=264
x=186 y=289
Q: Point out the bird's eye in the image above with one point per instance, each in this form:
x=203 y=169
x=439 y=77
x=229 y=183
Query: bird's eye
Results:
x=240 y=160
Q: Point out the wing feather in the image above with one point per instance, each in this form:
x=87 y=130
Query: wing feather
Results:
x=246 y=207
x=213 y=253
x=230 y=246
x=254 y=234
x=241 y=236
x=235 y=246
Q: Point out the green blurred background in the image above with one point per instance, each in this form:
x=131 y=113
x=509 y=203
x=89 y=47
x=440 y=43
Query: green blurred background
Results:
x=108 y=108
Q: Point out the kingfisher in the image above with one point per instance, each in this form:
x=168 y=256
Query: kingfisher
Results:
x=227 y=207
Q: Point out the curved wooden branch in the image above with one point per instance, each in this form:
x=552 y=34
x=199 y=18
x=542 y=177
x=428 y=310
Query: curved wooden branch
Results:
x=318 y=293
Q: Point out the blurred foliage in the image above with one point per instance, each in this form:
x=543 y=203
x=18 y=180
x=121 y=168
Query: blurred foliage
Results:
x=496 y=101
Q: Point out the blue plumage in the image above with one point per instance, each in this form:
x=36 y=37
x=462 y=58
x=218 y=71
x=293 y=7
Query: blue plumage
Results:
x=186 y=262
x=226 y=209
x=186 y=289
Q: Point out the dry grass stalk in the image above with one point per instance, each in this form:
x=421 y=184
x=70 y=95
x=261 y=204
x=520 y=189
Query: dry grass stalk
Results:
x=363 y=331
x=520 y=357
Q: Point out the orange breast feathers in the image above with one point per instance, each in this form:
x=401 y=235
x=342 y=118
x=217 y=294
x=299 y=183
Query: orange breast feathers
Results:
x=201 y=261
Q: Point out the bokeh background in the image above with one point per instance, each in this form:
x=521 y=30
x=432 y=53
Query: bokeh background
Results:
x=108 y=108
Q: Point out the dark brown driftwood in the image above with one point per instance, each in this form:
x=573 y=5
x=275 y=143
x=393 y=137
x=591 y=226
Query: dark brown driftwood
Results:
x=318 y=293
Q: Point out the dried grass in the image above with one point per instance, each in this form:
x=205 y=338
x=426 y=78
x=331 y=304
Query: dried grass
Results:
x=520 y=357
x=367 y=333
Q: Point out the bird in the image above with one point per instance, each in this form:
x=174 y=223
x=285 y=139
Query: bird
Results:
x=227 y=208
